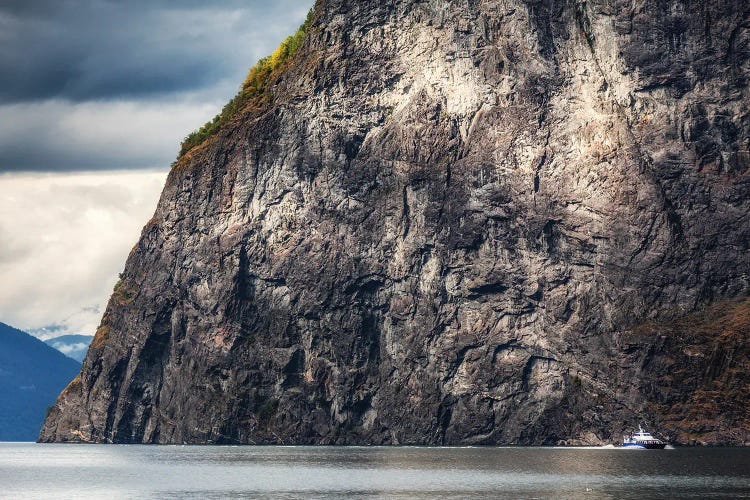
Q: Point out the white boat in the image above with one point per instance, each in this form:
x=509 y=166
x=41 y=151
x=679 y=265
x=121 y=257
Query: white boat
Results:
x=642 y=440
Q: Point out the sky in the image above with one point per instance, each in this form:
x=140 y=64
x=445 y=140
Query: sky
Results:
x=95 y=98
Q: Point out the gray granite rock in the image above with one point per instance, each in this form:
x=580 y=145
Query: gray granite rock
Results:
x=447 y=224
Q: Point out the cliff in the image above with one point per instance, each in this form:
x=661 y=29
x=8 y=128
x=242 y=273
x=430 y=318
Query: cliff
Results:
x=450 y=222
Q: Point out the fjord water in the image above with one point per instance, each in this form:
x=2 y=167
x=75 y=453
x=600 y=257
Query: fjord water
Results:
x=86 y=471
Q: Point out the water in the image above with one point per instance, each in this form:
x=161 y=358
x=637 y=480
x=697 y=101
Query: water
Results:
x=112 y=472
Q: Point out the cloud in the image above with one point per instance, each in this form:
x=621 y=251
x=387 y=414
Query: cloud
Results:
x=64 y=239
x=97 y=49
x=69 y=348
x=61 y=135
x=104 y=84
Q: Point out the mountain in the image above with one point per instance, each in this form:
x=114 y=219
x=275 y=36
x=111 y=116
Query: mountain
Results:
x=73 y=346
x=32 y=374
x=449 y=222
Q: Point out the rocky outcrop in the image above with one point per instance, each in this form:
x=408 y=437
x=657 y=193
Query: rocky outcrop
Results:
x=450 y=222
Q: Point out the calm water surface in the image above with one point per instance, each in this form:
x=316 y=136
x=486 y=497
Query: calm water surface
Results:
x=112 y=472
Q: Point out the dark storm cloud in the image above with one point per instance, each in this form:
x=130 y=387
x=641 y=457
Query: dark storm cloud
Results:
x=99 y=85
x=95 y=49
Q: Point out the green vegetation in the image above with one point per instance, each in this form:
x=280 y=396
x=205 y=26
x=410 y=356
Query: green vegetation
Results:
x=253 y=87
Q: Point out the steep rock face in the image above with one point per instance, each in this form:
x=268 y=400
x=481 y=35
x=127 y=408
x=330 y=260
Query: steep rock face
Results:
x=450 y=222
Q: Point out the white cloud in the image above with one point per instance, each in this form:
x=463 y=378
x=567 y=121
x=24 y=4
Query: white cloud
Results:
x=69 y=348
x=63 y=240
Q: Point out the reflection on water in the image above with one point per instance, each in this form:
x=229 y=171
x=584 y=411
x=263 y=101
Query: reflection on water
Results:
x=80 y=471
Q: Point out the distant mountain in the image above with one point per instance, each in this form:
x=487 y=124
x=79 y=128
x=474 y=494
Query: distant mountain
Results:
x=73 y=346
x=32 y=374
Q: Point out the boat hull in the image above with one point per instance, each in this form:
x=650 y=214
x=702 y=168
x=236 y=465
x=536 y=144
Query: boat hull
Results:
x=645 y=446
